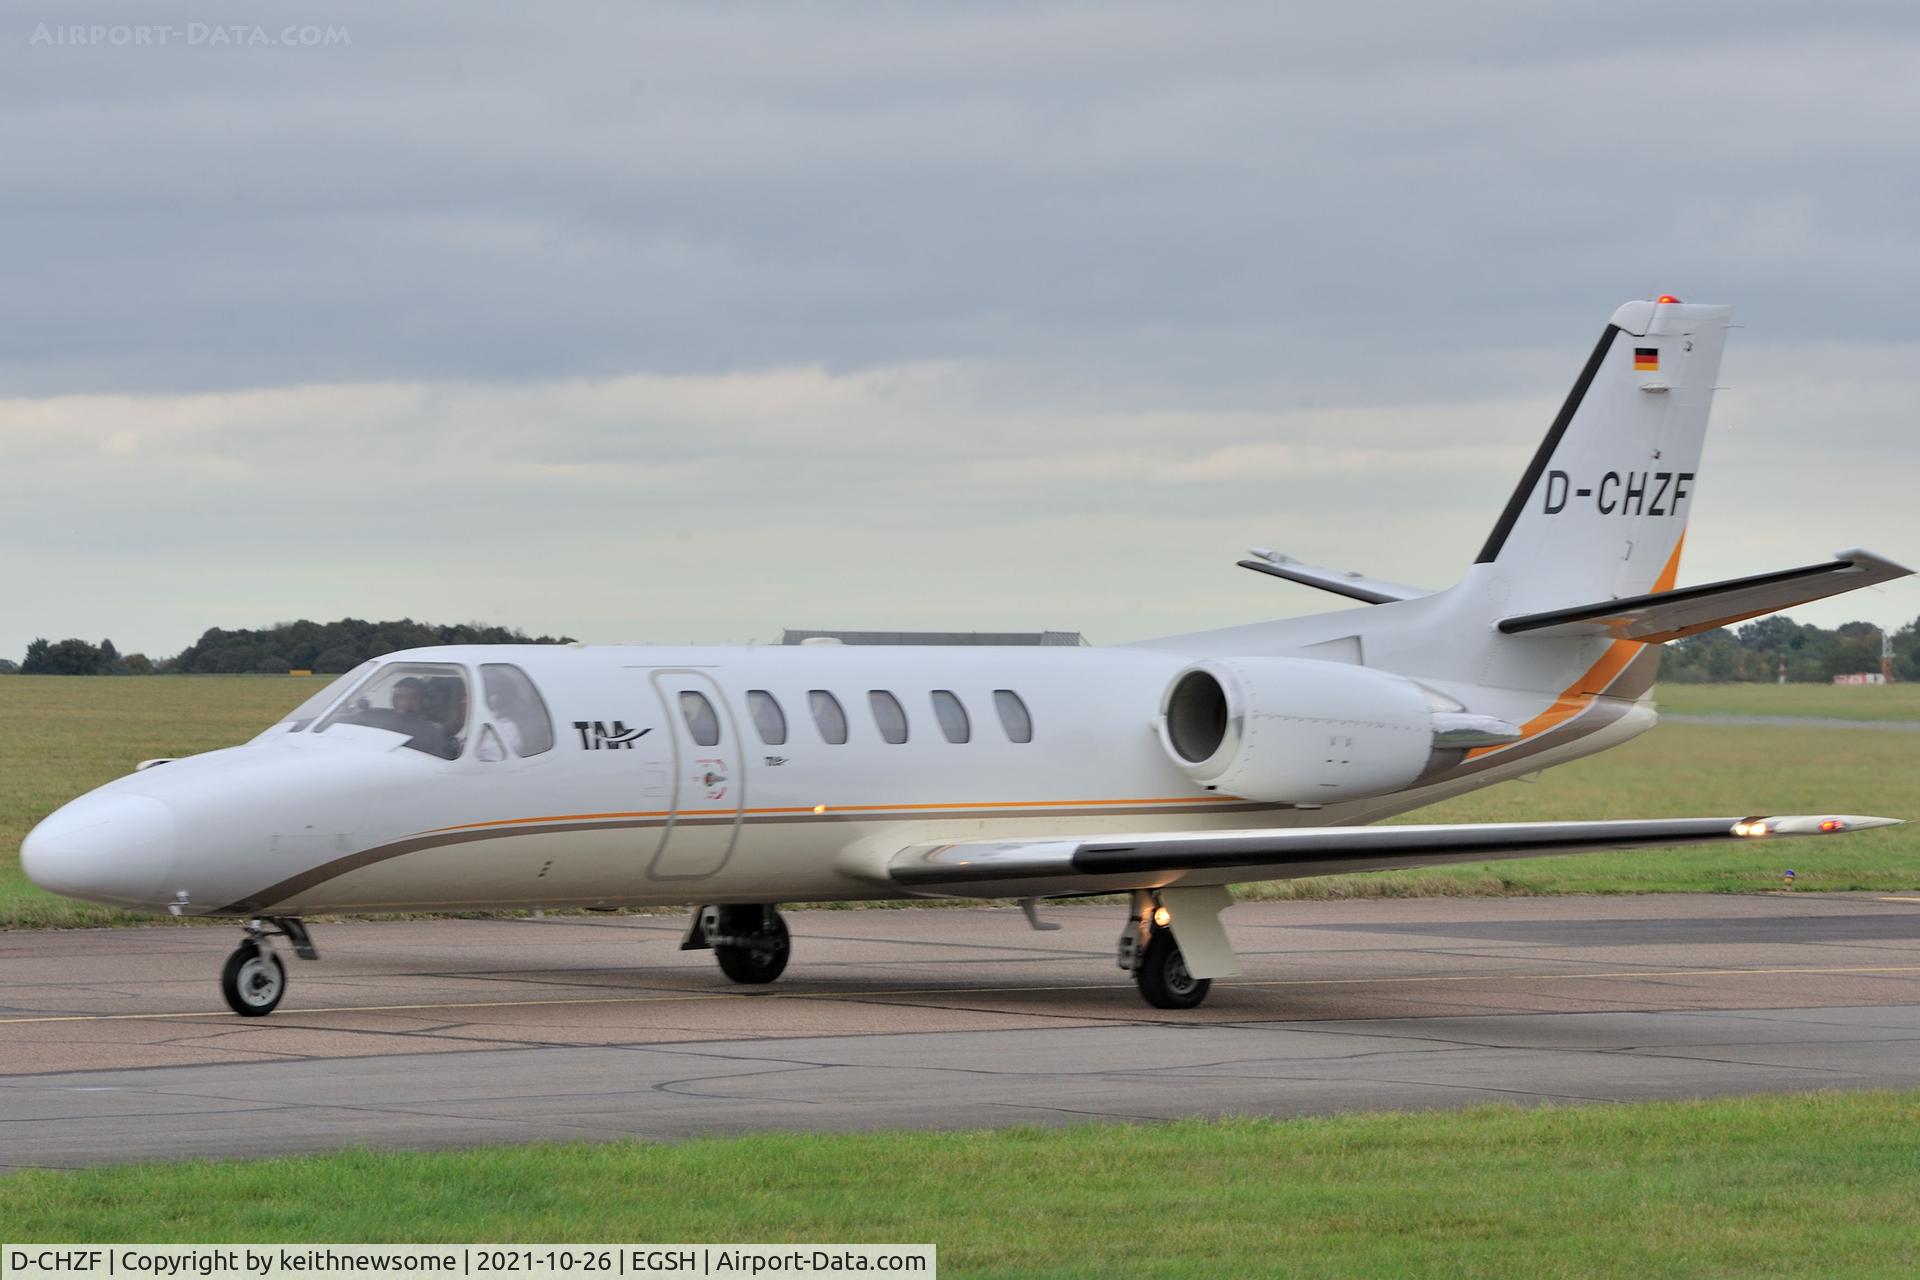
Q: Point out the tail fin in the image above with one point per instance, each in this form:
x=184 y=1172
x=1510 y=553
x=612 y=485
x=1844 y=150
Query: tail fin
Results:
x=1602 y=510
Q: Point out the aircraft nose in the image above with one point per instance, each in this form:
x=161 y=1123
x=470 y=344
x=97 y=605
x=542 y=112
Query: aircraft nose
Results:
x=116 y=849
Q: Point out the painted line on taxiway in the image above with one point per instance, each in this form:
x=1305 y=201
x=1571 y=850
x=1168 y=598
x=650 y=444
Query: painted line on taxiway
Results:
x=693 y=996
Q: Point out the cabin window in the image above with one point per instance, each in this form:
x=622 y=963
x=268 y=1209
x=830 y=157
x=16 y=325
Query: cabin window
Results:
x=768 y=718
x=701 y=720
x=827 y=716
x=517 y=708
x=889 y=715
x=952 y=715
x=1013 y=715
x=425 y=701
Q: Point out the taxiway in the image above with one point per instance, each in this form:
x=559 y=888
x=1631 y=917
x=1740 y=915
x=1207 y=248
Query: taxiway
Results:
x=114 y=1044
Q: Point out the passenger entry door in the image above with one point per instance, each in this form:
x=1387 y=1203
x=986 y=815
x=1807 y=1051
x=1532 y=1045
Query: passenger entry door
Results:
x=709 y=791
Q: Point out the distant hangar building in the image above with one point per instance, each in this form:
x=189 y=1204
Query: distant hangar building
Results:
x=1071 y=638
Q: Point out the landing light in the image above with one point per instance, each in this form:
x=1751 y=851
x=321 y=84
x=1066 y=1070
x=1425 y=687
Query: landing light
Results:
x=1162 y=916
x=1750 y=828
x=819 y=808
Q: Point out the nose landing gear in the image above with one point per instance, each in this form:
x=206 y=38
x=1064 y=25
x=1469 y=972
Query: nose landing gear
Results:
x=750 y=942
x=254 y=979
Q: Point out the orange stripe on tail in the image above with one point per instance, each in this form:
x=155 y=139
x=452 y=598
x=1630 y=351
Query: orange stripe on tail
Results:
x=1579 y=695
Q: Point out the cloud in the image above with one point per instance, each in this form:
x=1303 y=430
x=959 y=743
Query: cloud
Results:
x=724 y=506
x=1260 y=200
x=685 y=320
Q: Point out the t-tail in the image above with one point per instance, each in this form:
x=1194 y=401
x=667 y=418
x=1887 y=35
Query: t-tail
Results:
x=1578 y=583
x=1602 y=511
x=1590 y=543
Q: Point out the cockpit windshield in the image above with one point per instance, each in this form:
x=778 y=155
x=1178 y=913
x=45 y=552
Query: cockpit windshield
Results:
x=427 y=701
x=302 y=716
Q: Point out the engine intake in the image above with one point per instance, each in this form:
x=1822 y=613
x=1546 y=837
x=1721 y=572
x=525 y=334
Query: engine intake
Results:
x=1303 y=731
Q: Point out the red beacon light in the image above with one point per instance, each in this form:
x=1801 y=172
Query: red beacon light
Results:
x=1666 y=297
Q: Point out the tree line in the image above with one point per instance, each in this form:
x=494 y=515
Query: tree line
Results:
x=326 y=648
x=1754 y=651
x=1760 y=650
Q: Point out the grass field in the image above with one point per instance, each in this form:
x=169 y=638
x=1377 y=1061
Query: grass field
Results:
x=1819 y=1185
x=59 y=737
x=1843 y=702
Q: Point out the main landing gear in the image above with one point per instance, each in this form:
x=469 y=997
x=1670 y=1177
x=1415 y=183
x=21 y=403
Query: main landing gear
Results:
x=254 y=979
x=1167 y=977
x=750 y=942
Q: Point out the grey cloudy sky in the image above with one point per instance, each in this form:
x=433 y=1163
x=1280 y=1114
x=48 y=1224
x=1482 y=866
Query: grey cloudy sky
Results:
x=690 y=322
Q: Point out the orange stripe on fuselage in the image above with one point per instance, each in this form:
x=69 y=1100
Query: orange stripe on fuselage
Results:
x=1579 y=695
x=837 y=808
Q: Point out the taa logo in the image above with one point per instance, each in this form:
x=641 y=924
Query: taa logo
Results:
x=597 y=735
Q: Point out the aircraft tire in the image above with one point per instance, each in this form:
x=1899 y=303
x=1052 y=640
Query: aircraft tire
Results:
x=253 y=980
x=1163 y=978
x=760 y=962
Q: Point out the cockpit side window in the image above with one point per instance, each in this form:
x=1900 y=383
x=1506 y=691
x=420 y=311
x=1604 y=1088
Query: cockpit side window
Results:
x=517 y=707
x=426 y=701
x=303 y=715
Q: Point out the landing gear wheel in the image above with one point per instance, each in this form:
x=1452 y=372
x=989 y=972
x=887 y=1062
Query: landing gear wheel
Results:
x=760 y=960
x=253 y=980
x=1163 y=977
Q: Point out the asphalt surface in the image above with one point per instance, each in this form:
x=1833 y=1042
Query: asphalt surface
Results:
x=114 y=1044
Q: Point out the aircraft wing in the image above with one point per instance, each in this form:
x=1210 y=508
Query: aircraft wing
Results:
x=1047 y=865
x=1668 y=615
x=1341 y=582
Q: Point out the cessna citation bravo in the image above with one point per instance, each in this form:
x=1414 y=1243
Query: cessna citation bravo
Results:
x=733 y=779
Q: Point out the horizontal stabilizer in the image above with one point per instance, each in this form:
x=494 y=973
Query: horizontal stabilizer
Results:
x=1069 y=863
x=1668 y=615
x=1339 y=581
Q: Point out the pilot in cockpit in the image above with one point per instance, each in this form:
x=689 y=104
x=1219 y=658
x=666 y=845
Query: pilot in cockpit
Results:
x=411 y=718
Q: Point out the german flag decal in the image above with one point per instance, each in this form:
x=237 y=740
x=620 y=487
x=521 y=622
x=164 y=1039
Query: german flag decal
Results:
x=1646 y=359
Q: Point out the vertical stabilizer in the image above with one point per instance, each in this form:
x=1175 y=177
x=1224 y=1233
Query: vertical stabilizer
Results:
x=1602 y=510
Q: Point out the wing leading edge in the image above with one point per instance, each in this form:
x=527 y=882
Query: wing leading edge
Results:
x=1341 y=582
x=1669 y=615
x=1069 y=864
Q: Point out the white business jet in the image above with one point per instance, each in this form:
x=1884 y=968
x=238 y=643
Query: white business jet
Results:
x=602 y=777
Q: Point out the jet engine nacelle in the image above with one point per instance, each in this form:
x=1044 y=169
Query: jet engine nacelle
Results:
x=1297 y=730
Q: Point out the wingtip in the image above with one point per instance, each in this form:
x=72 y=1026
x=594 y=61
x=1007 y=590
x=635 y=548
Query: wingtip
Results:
x=1810 y=824
x=1860 y=555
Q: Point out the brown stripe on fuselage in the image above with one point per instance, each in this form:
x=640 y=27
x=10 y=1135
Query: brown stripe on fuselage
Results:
x=1596 y=715
x=313 y=877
